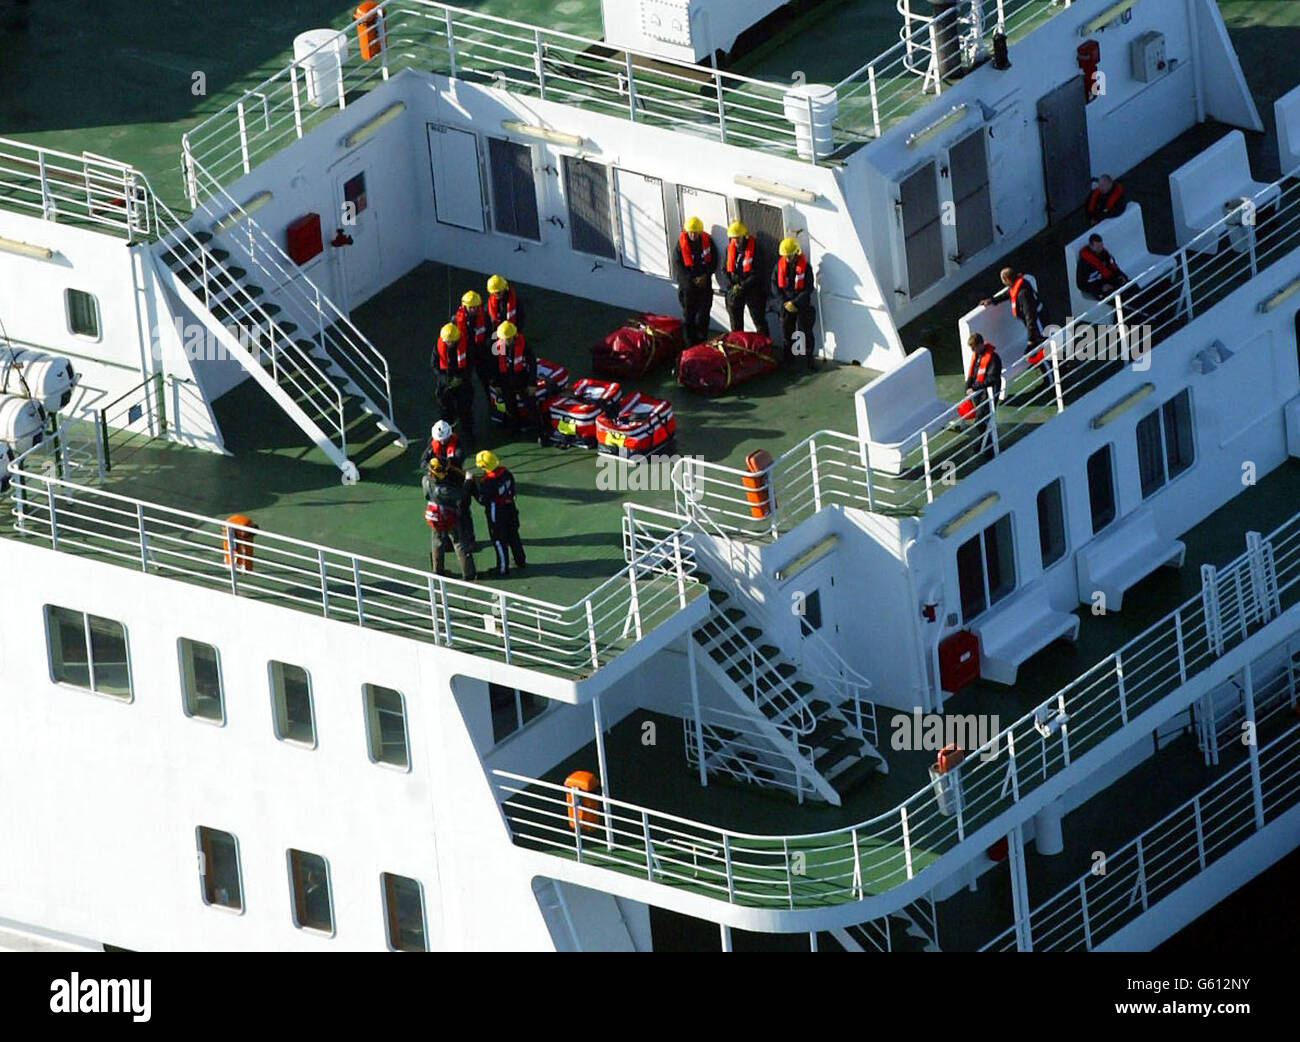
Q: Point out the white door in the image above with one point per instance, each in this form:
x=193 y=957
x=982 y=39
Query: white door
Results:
x=457 y=184
x=643 y=234
x=709 y=207
x=357 y=215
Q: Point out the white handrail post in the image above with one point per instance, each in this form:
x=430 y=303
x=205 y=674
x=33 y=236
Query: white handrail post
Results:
x=1015 y=773
x=789 y=872
x=1083 y=897
x=538 y=66
x=446 y=612
x=356 y=585
x=722 y=107
x=243 y=136
x=591 y=636
x=505 y=624
x=925 y=466
x=1200 y=830
x=866 y=470
x=693 y=672
x=338 y=68
x=1065 y=728
x=726 y=862
x=1119 y=683
x=935 y=64
x=381 y=20
x=144 y=539
x=1182 y=651
x=297 y=103
x=324 y=584
x=816 y=476
x=812 y=137
x=993 y=420
x=451 y=43
x=1055 y=359
x=649 y=849
x=875 y=99
x=1252 y=744
x=681 y=568
x=1142 y=873
x=907 y=840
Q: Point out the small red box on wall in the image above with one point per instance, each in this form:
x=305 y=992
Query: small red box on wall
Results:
x=959 y=660
x=303 y=238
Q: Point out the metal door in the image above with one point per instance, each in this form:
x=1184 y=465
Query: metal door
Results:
x=457 y=182
x=643 y=235
x=1067 y=167
x=358 y=217
x=918 y=204
x=968 y=167
x=709 y=207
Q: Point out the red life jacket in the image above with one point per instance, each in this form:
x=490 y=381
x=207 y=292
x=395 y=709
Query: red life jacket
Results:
x=473 y=328
x=444 y=450
x=498 y=314
x=979 y=364
x=452 y=359
x=745 y=255
x=800 y=273
x=510 y=358
x=1116 y=191
x=1104 y=269
x=705 y=248
x=439 y=517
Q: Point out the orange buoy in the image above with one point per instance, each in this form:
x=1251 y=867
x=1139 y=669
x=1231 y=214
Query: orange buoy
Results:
x=369 y=40
x=242 y=540
x=583 y=806
x=949 y=757
x=758 y=483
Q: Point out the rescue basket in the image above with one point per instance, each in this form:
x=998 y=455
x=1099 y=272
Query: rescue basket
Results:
x=573 y=416
x=642 y=425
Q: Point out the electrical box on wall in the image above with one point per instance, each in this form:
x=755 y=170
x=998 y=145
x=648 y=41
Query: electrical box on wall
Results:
x=303 y=238
x=1147 y=54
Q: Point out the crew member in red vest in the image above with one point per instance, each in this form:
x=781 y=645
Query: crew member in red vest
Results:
x=443 y=445
x=1028 y=307
x=448 y=492
x=742 y=280
x=792 y=289
x=694 y=263
x=984 y=384
x=495 y=489
x=502 y=304
x=452 y=373
x=1106 y=200
x=1097 y=274
x=516 y=378
x=476 y=327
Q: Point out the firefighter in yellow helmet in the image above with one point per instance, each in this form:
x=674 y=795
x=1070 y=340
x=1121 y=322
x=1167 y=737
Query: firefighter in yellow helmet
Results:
x=447 y=491
x=503 y=303
x=793 y=289
x=476 y=326
x=495 y=489
x=742 y=279
x=515 y=375
x=694 y=263
x=451 y=370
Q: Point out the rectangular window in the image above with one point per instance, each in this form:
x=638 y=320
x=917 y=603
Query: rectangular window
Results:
x=1151 y=454
x=386 y=726
x=309 y=881
x=83 y=313
x=1164 y=443
x=354 y=194
x=591 y=220
x=404 y=910
x=986 y=568
x=512 y=709
x=219 y=869
x=201 y=681
x=811 y=618
x=291 y=694
x=1101 y=488
x=88 y=651
x=514 y=189
x=1051 y=523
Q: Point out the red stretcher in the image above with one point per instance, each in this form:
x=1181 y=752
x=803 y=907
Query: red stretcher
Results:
x=573 y=416
x=642 y=344
x=722 y=362
x=643 y=425
x=552 y=379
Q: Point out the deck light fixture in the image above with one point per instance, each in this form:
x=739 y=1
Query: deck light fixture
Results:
x=953 y=115
x=372 y=124
x=1123 y=405
x=760 y=184
x=970 y=513
x=1105 y=18
x=1285 y=293
x=26 y=249
x=555 y=137
x=240 y=212
x=814 y=553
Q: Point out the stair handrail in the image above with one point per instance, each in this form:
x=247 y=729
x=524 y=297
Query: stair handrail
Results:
x=852 y=685
x=370 y=362
x=713 y=719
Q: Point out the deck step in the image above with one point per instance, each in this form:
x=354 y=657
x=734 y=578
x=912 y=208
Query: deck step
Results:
x=827 y=729
x=852 y=777
x=838 y=752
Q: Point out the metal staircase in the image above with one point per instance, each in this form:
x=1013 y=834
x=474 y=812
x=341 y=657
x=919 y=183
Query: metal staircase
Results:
x=819 y=734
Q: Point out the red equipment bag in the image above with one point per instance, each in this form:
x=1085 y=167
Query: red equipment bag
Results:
x=723 y=361
x=642 y=344
x=643 y=425
x=573 y=416
x=440 y=518
x=552 y=379
x=966 y=409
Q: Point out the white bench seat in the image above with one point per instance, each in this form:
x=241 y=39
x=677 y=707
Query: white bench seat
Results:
x=1123 y=556
x=1126 y=238
x=1200 y=188
x=1019 y=627
x=896 y=407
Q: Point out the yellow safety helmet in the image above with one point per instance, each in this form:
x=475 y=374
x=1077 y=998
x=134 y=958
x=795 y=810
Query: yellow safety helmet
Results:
x=693 y=224
x=736 y=229
x=496 y=284
x=789 y=247
x=450 y=333
x=487 y=460
x=437 y=468
x=506 y=331
x=471 y=299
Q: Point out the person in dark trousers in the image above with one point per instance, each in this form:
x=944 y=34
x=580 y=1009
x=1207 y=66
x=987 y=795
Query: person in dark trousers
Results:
x=451 y=370
x=792 y=289
x=448 y=492
x=742 y=280
x=1106 y=200
x=496 y=491
x=502 y=303
x=516 y=378
x=694 y=263
x=1028 y=307
x=983 y=385
x=476 y=327
x=1097 y=273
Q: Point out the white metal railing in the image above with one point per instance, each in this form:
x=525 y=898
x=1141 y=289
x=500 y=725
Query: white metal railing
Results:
x=571 y=640
x=1166 y=856
x=830 y=468
x=290 y=286
x=822 y=663
x=846 y=864
x=79 y=189
x=734 y=748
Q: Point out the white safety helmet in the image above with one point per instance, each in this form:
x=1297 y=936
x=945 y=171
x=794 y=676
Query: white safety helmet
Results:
x=441 y=430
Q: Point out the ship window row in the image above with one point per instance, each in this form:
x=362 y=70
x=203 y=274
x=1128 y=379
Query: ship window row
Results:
x=1166 y=448
x=311 y=896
